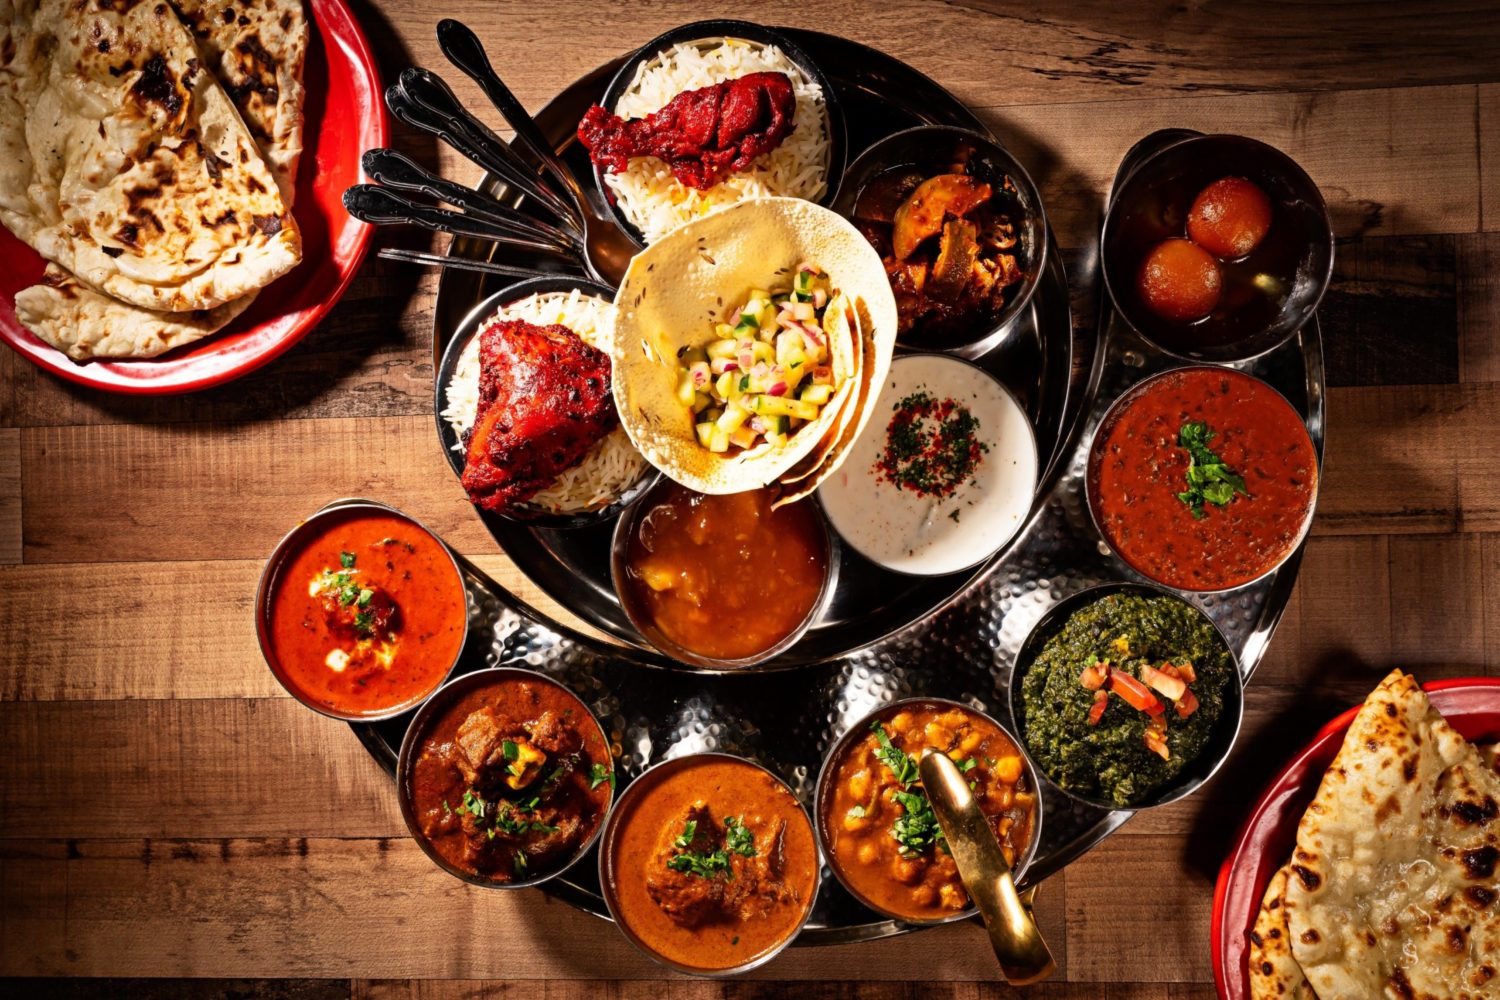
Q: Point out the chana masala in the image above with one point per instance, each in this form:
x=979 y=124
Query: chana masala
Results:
x=879 y=830
x=1203 y=478
x=511 y=780
x=710 y=863
x=366 y=614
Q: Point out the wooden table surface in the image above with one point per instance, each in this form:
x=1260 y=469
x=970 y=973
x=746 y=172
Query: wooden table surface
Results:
x=167 y=811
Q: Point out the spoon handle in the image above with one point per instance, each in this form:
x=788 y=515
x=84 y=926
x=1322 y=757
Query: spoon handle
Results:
x=384 y=207
x=390 y=168
x=464 y=50
x=423 y=100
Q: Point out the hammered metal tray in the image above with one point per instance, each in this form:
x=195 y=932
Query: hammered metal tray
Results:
x=963 y=649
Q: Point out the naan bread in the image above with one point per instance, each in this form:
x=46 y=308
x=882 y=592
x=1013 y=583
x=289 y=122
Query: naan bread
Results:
x=1391 y=891
x=1274 y=973
x=135 y=172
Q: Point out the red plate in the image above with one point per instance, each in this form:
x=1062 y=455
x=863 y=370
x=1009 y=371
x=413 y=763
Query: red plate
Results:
x=345 y=115
x=1470 y=704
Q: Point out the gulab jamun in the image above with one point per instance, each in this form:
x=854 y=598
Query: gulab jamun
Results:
x=1230 y=217
x=1179 y=280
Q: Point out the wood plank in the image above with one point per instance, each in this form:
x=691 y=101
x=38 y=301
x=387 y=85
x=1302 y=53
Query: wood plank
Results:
x=1390 y=315
x=564 y=989
x=179 y=989
x=1487 y=117
x=367 y=908
x=1478 y=304
x=10 y=496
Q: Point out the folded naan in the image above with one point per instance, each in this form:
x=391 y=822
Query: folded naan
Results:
x=1274 y=973
x=127 y=164
x=1391 y=890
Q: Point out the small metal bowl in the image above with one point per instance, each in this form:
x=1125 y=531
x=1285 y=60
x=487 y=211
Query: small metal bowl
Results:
x=411 y=745
x=607 y=862
x=449 y=439
x=1295 y=260
x=823 y=799
x=1091 y=497
x=935 y=148
x=290 y=544
x=712 y=31
x=1226 y=727
x=619 y=553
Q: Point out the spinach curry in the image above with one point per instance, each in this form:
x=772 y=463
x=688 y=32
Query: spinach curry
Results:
x=1124 y=696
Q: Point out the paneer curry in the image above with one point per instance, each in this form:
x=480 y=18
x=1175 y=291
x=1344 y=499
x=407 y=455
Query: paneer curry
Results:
x=879 y=831
x=709 y=863
x=510 y=781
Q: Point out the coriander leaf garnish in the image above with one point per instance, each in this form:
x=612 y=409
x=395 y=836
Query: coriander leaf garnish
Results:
x=598 y=775
x=702 y=865
x=916 y=829
x=364 y=621
x=520 y=861
x=967 y=764
x=363 y=600
x=893 y=757
x=737 y=837
x=1209 y=479
x=346 y=559
x=689 y=831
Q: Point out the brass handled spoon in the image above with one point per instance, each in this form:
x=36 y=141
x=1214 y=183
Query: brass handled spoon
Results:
x=1024 y=956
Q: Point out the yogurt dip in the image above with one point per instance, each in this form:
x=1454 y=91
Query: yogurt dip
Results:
x=942 y=476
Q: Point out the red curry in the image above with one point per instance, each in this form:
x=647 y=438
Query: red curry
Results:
x=1203 y=478
x=366 y=616
x=725 y=577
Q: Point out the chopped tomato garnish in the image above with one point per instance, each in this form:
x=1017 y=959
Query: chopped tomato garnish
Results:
x=1135 y=693
x=1185 y=671
x=1187 y=704
x=1168 y=686
x=1094 y=675
x=1157 y=743
x=1096 y=710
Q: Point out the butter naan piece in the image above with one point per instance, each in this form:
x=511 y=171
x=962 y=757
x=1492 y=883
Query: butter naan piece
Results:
x=135 y=172
x=1391 y=890
x=1274 y=973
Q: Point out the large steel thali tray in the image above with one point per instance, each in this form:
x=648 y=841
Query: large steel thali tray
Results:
x=954 y=637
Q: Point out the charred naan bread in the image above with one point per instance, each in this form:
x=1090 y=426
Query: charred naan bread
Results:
x=1274 y=973
x=128 y=165
x=1391 y=891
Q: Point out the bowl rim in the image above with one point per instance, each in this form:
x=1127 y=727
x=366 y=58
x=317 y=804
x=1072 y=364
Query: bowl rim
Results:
x=874 y=160
x=1114 y=410
x=468 y=328
x=415 y=732
x=1325 y=234
x=856 y=731
x=619 y=548
x=709 y=30
x=1036 y=478
x=638 y=787
x=270 y=576
x=1184 y=784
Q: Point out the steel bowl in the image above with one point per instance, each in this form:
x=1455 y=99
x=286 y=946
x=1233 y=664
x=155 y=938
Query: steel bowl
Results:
x=1290 y=269
x=823 y=799
x=619 y=553
x=411 y=745
x=712 y=31
x=936 y=148
x=1091 y=497
x=1226 y=727
x=608 y=863
x=290 y=543
x=452 y=444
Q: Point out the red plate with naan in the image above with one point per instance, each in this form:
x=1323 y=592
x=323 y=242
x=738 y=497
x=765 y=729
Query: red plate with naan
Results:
x=345 y=115
x=1470 y=704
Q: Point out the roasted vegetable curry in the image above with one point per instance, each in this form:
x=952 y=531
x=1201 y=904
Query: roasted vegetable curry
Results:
x=711 y=863
x=880 y=831
x=950 y=246
x=512 y=780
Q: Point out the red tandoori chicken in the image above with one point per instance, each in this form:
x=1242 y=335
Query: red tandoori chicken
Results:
x=702 y=134
x=544 y=401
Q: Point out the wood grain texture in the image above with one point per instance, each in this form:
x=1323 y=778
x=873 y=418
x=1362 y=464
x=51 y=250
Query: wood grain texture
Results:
x=10 y=496
x=1487 y=122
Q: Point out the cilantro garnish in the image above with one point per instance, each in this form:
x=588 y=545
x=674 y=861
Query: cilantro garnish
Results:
x=346 y=559
x=520 y=861
x=689 y=831
x=737 y=837
x=916 y=829
x=364 y=621
x=702 y=865
x=893 y=757
x=1209 y=479
x=598 y=775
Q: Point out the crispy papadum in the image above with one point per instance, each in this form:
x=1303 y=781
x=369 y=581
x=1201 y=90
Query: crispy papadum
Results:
x=131 y=167
x=1391 y=891
x=682 y=284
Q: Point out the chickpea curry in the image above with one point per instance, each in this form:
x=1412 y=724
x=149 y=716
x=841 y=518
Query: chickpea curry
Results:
x=711 y=863
x=511 y=781
x=878 y=828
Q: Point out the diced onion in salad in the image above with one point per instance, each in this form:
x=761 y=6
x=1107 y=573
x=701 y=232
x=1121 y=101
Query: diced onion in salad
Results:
x=767 y=372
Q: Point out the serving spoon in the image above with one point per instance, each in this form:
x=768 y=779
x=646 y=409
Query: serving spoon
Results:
x=1024 y=956
x=607 y=250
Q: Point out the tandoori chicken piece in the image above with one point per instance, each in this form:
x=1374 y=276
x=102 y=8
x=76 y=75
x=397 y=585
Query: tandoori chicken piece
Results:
x=544 y=401
x=703 y=134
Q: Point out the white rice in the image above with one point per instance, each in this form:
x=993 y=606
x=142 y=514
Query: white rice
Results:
x=613 y=463
x=654 y=201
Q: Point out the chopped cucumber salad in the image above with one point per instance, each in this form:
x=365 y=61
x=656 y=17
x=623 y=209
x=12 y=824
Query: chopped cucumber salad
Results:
x=767 y=372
